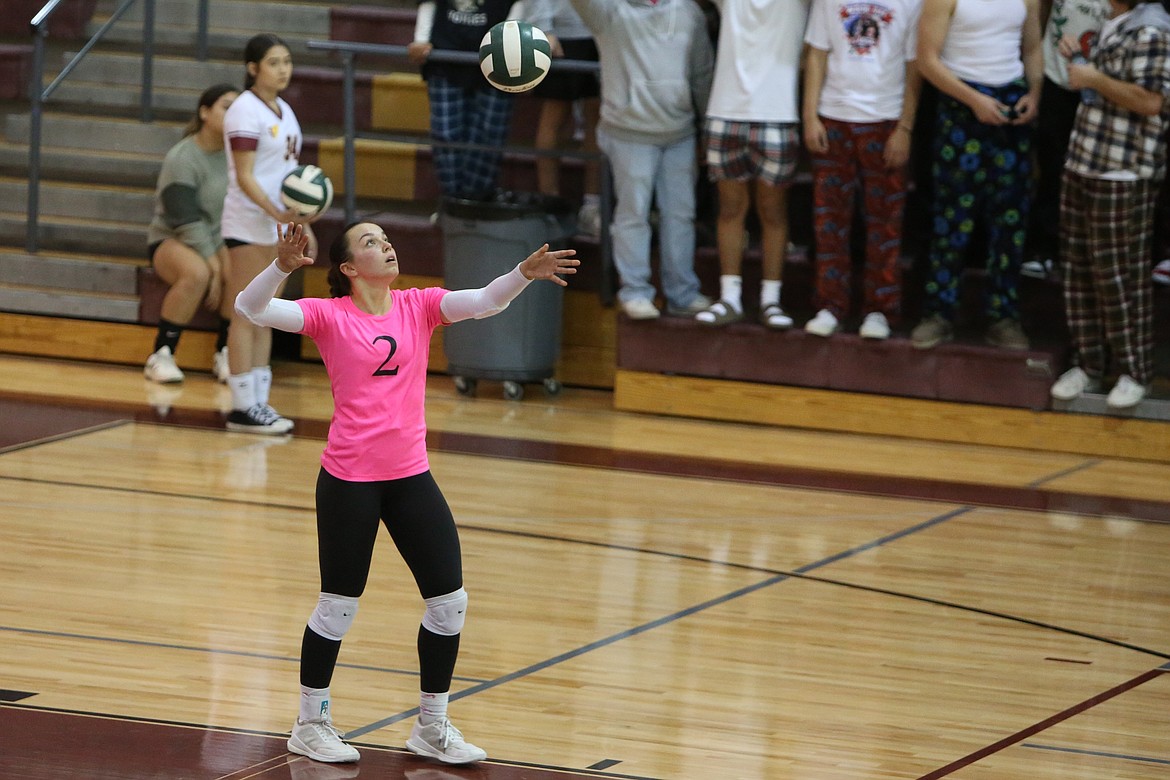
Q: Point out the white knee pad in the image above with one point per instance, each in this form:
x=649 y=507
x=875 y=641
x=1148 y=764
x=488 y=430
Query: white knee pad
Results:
x=444 y=615
x=333 y=615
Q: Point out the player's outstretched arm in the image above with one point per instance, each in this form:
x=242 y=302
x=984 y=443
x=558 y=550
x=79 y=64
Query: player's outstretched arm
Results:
x=495 y=297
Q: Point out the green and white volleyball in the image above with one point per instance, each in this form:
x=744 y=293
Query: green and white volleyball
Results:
x=307 y=190
x=514 y=56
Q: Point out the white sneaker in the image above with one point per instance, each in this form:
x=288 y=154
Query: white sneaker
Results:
x=320 y=741
x=1126 y=394
x=219 y=366
x=640 y=309
x=699 y=304
x=823 y=324
x=161 y=368
x=1162 y=272
x=443 y=741
x=874 y=326
x=1073 y=384
x=261 y=418
x=589 y=220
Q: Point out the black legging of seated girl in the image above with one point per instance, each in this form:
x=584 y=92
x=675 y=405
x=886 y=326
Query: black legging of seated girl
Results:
x=416 y=514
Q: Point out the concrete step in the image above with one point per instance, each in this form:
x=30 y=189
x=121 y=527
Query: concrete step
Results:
x=167 y=72
x=66 y=303
x=77 y=273
x=95 y=133
x=100 y=202
x=75 y=165
x=70 y=234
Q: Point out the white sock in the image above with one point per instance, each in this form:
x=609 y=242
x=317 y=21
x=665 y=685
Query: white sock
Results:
x=314 y=704
x=731 y=290
x=432 y=707
x=262 y=380
x=591 y=199
x=243 y=391
x=769 y=292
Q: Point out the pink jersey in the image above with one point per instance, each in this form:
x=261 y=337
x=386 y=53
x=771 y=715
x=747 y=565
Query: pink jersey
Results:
x=377 y=370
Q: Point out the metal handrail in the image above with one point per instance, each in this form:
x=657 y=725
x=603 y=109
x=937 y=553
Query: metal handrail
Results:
x=348 y=52
x=38 y=94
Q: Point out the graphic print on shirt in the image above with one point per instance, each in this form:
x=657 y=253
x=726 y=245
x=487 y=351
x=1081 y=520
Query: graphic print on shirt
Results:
x=863 y=23
x=467 y=12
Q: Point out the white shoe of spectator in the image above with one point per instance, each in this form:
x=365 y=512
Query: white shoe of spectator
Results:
x=219 y=365
x=640 y=309
x=1162 y=272
x=589 y=220
x=824 y=324
x=161 y=368
x=1126 y=394
x=1073 y=384
x=874 y=326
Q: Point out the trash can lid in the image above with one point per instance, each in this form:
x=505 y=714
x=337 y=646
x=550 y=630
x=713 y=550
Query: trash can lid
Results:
x=506 y=204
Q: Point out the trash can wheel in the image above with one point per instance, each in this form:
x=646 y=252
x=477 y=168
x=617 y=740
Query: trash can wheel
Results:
x=552 y=386
x=465 y=386
x=513 y=391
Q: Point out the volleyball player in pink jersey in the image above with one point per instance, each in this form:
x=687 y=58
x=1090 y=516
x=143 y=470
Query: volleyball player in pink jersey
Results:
x=375 y=342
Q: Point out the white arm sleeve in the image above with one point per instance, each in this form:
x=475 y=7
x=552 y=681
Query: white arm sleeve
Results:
x=517 y=10
x=424 y=22
x=257 y=303
x=486 y=301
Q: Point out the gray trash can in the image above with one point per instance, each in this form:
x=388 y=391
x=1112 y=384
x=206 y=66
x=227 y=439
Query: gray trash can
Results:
x=482 y=240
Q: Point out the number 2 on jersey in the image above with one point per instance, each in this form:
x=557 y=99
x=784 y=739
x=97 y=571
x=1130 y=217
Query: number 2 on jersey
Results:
x=382 y=370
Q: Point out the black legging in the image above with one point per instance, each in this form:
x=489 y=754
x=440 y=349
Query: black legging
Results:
x=420 y=523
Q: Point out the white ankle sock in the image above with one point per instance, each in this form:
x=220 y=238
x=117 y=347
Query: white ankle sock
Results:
x=243 y=391
x=262 y=380
x=769 y=292
x=432 y=707
x=731 y=290
x=314 y=704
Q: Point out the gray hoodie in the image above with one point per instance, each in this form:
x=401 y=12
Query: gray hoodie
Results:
x=656 y=66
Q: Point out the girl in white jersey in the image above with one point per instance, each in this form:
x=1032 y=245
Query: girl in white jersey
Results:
x=375 y=341
x=263 y=139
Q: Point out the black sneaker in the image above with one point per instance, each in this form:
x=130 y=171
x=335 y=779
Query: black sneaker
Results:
x=261 y=418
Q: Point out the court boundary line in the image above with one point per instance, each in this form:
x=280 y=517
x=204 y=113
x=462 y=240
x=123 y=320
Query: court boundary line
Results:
x=1044 y=725
x=1096 y=753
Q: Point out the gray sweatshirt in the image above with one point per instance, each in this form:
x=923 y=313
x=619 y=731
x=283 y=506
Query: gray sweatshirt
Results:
x=656 y=66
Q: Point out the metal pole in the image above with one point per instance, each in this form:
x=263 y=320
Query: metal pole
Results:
x=148 y=61
x=347 y=59
x=201 y=34
x=36 y=99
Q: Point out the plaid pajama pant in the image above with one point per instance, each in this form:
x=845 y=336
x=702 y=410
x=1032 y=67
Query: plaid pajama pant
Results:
x=1106 y=229
x=854 y=161
x=469 y=116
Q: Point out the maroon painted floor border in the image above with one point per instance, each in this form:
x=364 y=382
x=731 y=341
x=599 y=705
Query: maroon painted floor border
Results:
x=60 y=414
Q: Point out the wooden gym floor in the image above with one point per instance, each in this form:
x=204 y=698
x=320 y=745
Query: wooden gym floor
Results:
x=650 y=597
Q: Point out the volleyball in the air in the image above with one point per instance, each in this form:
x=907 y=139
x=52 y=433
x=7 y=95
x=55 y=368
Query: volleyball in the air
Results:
x=307 y=190
x=514 y=56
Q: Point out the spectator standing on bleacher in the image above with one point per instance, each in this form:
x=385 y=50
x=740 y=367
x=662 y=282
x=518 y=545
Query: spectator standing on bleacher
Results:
x=263 y=138
x=1116 y=164
x=560 y=93
x=1079 y=20
x=184 y=240
x=860 y=96
x=985 y=58
x=753 y=143
x=465 y=108
x=656 y=64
